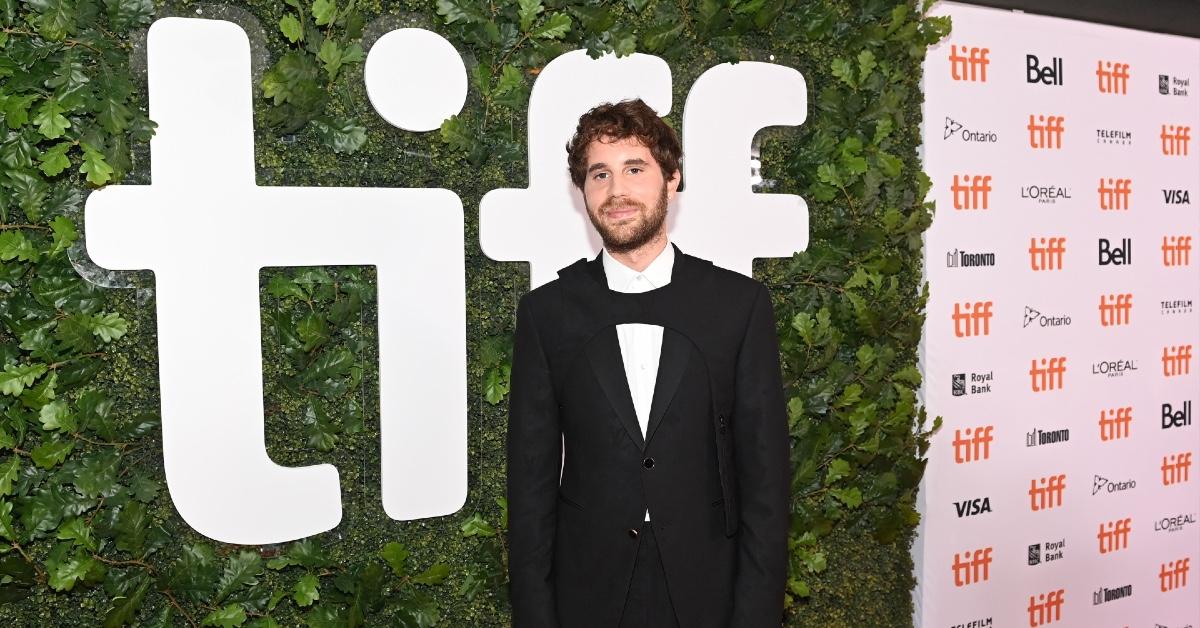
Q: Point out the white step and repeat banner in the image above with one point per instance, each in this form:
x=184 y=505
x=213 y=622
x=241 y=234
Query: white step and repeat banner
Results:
x=1062 y=328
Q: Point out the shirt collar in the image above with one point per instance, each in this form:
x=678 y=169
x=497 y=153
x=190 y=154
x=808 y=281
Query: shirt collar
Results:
x=622 y=278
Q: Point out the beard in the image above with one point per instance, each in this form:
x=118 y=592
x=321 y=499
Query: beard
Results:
x=635 y=232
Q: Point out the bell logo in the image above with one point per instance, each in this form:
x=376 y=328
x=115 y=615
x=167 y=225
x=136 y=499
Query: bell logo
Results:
x=1112 y=77
x=1049 y=75
x=1114 y=423
x=1120 y=255
x=1177 y=250
x=1177 y=360
x=968 y=64
x=1114 y=309
x=1114 y=535
x=1046 y=253
x=1175 y=139
x=972 y=192
x=1047 y=492
x=1173 y=575
x=971 y=445
x=972 y=319
x=1173 y=418
x=971 y=567
x=1046 y=132
x=1046 y=608
x=1176 y=468
x=1047 y=374
x=1114 y=193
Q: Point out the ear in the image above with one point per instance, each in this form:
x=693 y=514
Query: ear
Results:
x=672 y=186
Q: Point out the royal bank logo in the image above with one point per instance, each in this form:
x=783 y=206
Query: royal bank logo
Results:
x=1173 y=85
x=956 y=130
x=976 y=384
x=200 y=72
x=1046 y=552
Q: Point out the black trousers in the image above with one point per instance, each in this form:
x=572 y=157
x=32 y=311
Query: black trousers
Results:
x=648 y=603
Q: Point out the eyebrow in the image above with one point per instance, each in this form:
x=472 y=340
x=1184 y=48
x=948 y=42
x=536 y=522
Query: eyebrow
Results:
x=628 y=162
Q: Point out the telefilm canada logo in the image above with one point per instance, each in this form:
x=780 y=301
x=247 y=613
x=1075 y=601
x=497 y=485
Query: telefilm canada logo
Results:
x=977 y=384
x=983 y=622
x=1101 y=484
x=959 y=131
x=967 y=259
x=1114 y=137
x=1169 y=307
x=1035 y=318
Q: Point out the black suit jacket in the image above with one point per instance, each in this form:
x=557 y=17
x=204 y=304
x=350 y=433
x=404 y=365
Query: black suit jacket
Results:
x=712 y=469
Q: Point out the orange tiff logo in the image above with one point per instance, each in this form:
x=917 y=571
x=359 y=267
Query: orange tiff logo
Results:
x=1114 y=193
x=968 y=64
x=1173 y=575
x=1177 y=360
x=1175 y=139
x=1048 y=375
x=972 y=192
x=1114 y=535
x=1112 y=77
x=1176 y=468
x=1177 y=250
x=972 y=319
x=1046 y=608
x=1046 y=253
x=1115 y=308
x=972 y=566
x=1114 y=423
x=1047 y=492
x=973 y=444
x=1046 y=132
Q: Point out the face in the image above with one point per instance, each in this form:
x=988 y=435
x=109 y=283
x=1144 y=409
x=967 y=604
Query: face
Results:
x=626 y=194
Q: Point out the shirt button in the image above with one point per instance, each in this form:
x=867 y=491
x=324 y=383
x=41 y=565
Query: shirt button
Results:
x=633 y=533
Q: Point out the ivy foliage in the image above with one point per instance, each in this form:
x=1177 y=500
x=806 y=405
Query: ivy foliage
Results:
x=89 y=534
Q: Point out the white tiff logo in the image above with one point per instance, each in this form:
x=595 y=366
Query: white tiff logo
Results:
x=218 y=473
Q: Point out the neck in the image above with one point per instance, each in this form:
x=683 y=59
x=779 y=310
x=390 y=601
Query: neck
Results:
x=639 y=258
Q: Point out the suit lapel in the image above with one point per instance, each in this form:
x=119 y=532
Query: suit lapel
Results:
x=604 y=355
x=671 y=362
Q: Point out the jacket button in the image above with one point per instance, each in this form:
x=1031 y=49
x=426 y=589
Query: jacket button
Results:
x=633 y=533
x=648 y=463
x=721 y=429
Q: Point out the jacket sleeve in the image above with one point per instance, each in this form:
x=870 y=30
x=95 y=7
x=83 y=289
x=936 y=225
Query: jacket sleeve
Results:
x=534 y=462
x=761 y=459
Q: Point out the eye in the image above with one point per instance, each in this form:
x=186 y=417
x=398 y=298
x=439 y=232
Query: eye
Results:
x=635 y=170
x=599 y=175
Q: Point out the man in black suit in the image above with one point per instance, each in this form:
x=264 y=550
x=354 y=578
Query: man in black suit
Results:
x=648 y=478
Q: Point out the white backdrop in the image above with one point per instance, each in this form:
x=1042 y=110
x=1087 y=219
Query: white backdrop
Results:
x=1061 y=327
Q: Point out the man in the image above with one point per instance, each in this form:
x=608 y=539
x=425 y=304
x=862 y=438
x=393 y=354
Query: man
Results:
x=648 y=478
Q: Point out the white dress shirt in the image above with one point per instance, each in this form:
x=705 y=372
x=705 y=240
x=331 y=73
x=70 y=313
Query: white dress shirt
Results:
x=641 y=345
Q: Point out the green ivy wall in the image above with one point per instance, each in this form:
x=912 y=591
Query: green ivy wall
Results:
x=89 y=533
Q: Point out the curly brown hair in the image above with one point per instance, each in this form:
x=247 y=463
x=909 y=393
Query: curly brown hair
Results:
x=617 y=121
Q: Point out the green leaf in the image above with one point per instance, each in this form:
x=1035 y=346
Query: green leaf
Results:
x=852 y=496
x=838 y=469
x=459 y=11
x=64 y=234
x=79 y=532
x=94 y=166
x=240 y=570
x=55 y=160
x=8 y=474
x=342 y=135
x=51 y=453
x=476 y=526
x=227 y=617
x=324 y=12
x=306 y=590
x=64 y=575
x=456 y=134
x=123 y=609
x=7 y=530
x=132 y=525
x=291 y=28
x=98 y=474
x=14 y=245
x=74 y=333
x=842 y=69
x=15 y=378
x=527 y=12
x=109 y=326
x=281 y=287
x=127 y=14
x=30 y=193
x=50 y=121
x=56 y=416
x=331 y=363
x=436 y=573
x=330 y=54
x=313 y=330
x=889 y=164
x=866 y=64
x=16 y=109
x=555 y=27
x=395 y=554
